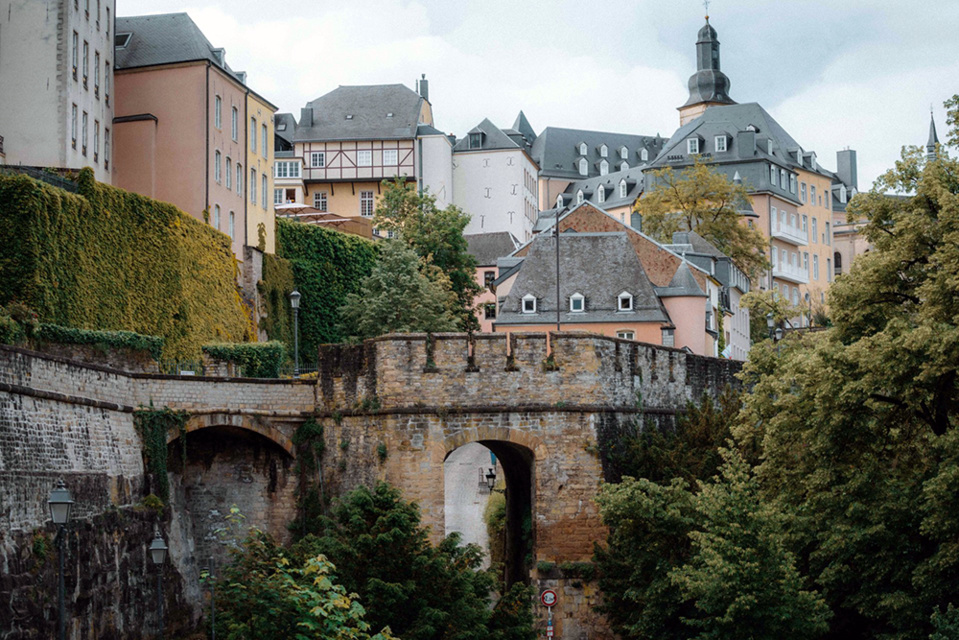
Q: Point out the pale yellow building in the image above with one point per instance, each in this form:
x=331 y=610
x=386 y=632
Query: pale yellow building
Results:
x=260 y=217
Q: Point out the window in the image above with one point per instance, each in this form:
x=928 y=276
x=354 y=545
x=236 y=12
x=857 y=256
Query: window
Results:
x=86 y=8
x=108 y=23
x=815 y=267
x=623 y=166
x=234 y=123
x=583 y=166
x=366 y=204
x=232 y=225
x=529 y=303
x=622 y=188
x=253 y=135
x=277 y=196
x=603 y=168
x=317 y=160
x=229 y=173
x=837 y=262
x=559 y=201
x=73 y=126
x=239 y=178
x=216 y=166
x=216 y=217
x=802 y=192
x=805 y=262
x=624 y=153
x=488 y=278
x=782 y=179
x=96 y=140
x=106 y=148
x=582 y=149
x=217 y=106
x=489 y=311
x=826 y=236
x=772 y=175
x=769 y=146
x=264 y=147
x=827 y=199
x=815 y=230
x=253 y=186
x=601 y=194
x=390 y=157
x=603 y=151
x=625 y=302
x=264 y=189
x=775 y=253
x=579 y=197
x=829 y=269
x=476 y=140
x=792 y=183
x=692 y=145
x=577 y=304
x=364 y=158
x=83 y=133
x=96 y=74
x=805 y=224
x=812 y=192
x=86 y=62
x=76 y=53
x=106 y=83
x=319 y=200
x=669 y=337
x=625 y=335
x=287 y=169
x=644 y=155
x=720 y=144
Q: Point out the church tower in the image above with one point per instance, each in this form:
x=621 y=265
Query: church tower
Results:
x=933 y=138
x=709 y=86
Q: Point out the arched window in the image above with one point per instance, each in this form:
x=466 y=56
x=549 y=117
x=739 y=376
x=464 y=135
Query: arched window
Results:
x=644 y=155
x=837 y=262
x=583 y=166
x=623 y=166
x=601 y=194
x=582 y=149
x=603 y=168
x=624 y=153
x=579 y=197
x=603 y=150
x=622 y=188
x=843 y=194
x=559 y=201
x=577 y=303
x=625 y=301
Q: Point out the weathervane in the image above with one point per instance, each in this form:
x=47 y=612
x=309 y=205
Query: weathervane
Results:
x=706 y=4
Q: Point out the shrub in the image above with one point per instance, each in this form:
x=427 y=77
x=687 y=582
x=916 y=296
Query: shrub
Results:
x=106 y=339
x=256 y=359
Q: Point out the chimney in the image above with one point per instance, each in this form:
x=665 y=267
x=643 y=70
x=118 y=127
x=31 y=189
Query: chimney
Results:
x=746 y=143
x=423 y=87
x=220 y=56
x=846 y=168
x=241 y=76
x=306 y=117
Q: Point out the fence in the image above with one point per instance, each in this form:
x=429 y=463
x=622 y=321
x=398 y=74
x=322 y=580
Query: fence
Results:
x=50 y=176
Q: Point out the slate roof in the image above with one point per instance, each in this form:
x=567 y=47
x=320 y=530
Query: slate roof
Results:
x=492 y=139
x=708 y=84
x=692 y=242
x=683 y=284
x=610 y=183
x=486 y=248
x=163 y=39
x=599 y=266
x=284 y=126
x=556 y=150
x=369 y=106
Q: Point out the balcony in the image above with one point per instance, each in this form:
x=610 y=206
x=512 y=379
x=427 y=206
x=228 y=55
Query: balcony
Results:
x=786 y=231
x=791 y=272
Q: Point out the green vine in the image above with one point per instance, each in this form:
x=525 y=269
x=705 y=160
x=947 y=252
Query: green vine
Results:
x=153 y=426
x=310 y=446
x=256 y=359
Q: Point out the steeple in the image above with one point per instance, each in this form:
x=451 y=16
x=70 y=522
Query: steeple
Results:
x=709 y=86
x=933 y=138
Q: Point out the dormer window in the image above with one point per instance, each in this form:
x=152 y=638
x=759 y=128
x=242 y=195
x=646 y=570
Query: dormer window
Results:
x=843 y=194
x=644 y=155
x=577 y=303
x=582 y=148
x=603 y=167
x=720 y=143
x=624 y=153
x=623 y=166
x=559 y=201
x=601 y=194
x=583 y=166
x=389 y=115
x=349 y=116
x=625 y=301
x=692 y=146
x=622 y=188
x=579 y=197
x=529 y=303
x=476 y=140
x=603 y=150
x=769 y=146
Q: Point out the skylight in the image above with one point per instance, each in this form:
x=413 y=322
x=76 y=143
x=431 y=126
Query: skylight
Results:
x=121 y=40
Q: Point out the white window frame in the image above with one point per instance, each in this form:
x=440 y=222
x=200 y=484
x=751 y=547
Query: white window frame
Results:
x=624 y=153
x=320 y=201
x=264 y=189
x=624 y=297
x=217 y=108
x=229 y=173
x=367 y=204
x=720 y=143
x=239 y=178
x=559 y=201
x=626 y=335
x=232 y=230
x=692 y=146
x=773 y=174
x=583 y=167
x=583 y=150
x=217 y=166
x=668 y=337
x=73 y=125
x=792 y=183
x=264 y=147
x=216 y=217
x=603 y=151
x=815 y=230
x=623 y=189
x=603 y=168
x=644 y=155
x=802 y=192
x=391 y=157
x=623 y=166
x=253 y=134
x=364 y=158
x=277 y=196
x=253 y=186
x=579 y=197
x=577 y=300
x=235 y=123
x=317 y=160
x=601 y=194
x=528 y=304
x=782 y=179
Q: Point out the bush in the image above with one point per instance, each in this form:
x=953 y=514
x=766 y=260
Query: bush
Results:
x=256 y=359
x=105 y=339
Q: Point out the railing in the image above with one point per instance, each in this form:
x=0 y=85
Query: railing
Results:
x=789 y=233
x=50 y=176
x=791 y=272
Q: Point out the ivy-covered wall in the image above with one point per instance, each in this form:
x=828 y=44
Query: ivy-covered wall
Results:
x=109 y=259
x=327 y=266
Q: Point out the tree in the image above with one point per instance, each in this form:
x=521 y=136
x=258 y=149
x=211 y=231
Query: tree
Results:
x=422 y=592
x=760 y=304
x=437 y=237
x=702 y=200
x=398 y=297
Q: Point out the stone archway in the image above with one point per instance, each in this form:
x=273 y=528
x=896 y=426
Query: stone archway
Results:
x=244 y=421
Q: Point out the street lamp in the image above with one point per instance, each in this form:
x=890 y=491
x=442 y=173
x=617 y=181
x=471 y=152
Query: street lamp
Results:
x=158 y=549
x=61 y=504
x=491 y=480
x=295 y=305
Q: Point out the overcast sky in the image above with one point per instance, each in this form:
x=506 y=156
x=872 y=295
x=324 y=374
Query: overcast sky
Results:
x=835 y=74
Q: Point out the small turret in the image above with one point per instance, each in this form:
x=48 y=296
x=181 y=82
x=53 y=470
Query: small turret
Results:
x=933 y=138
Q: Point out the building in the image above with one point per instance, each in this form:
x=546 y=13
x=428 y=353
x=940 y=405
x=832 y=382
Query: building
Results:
x=487 y=249
x=349 y=140
x=189 y=130
x=615 y=193
x=57 y=79
x=495 y=179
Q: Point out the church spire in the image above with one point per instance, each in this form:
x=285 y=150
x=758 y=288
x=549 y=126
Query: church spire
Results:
x=709 y=86
x=933 y=138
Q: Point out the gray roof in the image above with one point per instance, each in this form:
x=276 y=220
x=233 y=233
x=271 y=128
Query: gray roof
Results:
x=708 y=84
x=522 y=126
x=486 y=248
x=492 y=138
x=556 y=150
x=692 y=242
x=164 y=39
x=683 y=284
x=933 y=138
x=284 y=125
x=610 y=183
x=546 y=219
x=599 y=266
x=363 y=113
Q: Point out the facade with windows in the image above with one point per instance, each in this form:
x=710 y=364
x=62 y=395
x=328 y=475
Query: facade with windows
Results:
x=487 y=249
x=57 y=74
x=183 y=131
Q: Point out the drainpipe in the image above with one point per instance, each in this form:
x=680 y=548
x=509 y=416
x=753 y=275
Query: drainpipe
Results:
x=419 y=142
x=246 y=125
x=206 y=125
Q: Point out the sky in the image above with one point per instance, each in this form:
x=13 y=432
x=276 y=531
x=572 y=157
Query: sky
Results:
x=837 y=74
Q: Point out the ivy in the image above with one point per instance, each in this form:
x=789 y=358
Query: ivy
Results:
x=310 y=446
x=275 y=289
x=256 y=359
x=105 y=339
x=153 y=426
x=108 y=259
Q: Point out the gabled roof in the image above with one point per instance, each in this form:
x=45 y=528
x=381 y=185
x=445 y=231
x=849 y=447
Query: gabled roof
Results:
x=492 y=138
x=165 y=38
x=694 y=243
x=600 y=266
x=486 y=248
x=683 y=284
x=524 y=128
x=284 y=125
x=556 y=150
x=363 y=113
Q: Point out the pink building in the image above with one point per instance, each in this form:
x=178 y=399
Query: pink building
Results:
x=487 y=248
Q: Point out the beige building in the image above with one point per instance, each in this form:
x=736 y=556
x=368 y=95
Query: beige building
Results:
x=56 y=74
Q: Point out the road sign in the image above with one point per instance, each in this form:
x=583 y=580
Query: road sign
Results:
x=548 y=598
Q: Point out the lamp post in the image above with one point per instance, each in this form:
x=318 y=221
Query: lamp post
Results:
x=295 y=305
x=61 y=504
x=556 y=227
x=158 y=549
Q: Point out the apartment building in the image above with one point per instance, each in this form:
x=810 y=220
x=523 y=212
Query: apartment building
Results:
x=189 y=130
x=57 y=78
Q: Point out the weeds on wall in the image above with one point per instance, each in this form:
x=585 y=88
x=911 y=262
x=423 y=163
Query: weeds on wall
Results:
x=310 y=446
x=256 y=359
x=154 y=425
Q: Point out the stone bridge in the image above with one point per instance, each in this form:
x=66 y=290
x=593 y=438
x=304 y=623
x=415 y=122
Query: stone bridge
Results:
x=393 y=409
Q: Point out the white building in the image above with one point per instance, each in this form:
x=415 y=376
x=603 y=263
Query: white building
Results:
x=56 y=80
x=495 y=179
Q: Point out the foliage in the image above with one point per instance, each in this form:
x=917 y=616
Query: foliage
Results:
x=256 y=359
x=703 y=200
x=265 y=595
x=952 y=120
x=945 y=624
x=41 y=546
x=104 y=339
x=494 y=515
x=436 y=235
x=275 y=289
x=383 y=553
x=310 y=446
x=327 y=266
x=18 y=323
x=760 y=304
x=113 y=260
x=153 y=425
x=397 y=298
